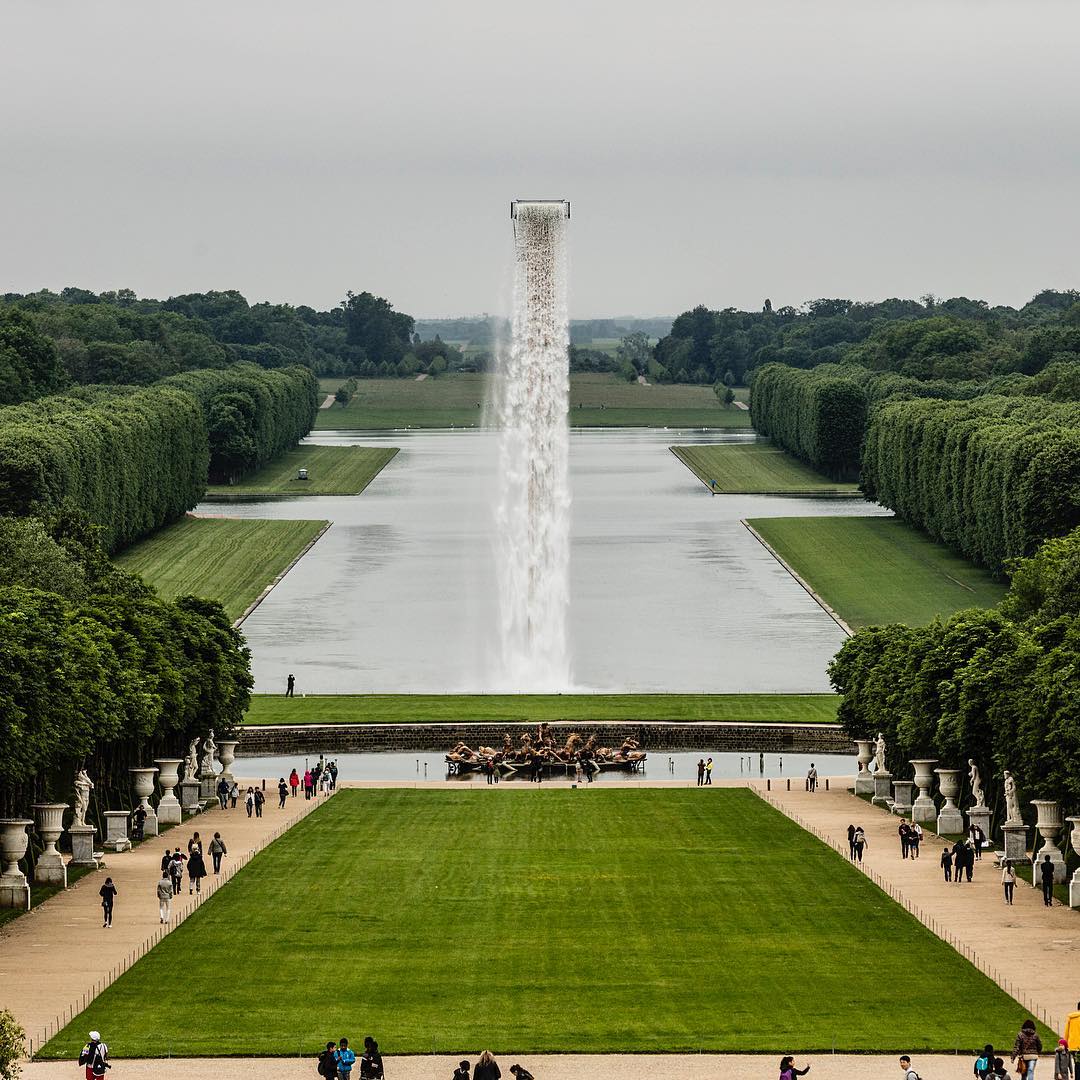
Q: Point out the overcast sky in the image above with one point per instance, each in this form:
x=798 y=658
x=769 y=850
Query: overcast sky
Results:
x=714 y=152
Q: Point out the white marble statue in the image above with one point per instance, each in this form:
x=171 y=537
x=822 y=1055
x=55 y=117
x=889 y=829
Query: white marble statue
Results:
x=1012 y=801
x=209 y=749
x=83 y=786
x=879 y=753
x=191 y=762
x=976 y=785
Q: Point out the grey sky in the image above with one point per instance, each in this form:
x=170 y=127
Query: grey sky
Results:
x=713 y=152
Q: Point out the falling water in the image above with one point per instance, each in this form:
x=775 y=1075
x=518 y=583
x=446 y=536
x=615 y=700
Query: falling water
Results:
x=533 y=504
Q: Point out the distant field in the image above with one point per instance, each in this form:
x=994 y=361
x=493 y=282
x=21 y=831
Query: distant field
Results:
x=758 y=468
x=332 y=470
x=433 y=708
x=224 y=559
x=545 y=921
x=878 y=570
x=458 y=401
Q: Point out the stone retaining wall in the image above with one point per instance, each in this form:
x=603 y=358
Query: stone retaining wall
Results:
x=359 y=738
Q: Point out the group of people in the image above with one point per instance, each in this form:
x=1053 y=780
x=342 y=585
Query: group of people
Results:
x=704 y=772
x=911 y=835
x=958 y=862
x=856 y=842
x=319 y=780
x=228 y=793
x=173 y=865
x=487 y=1068
x=336 y=1062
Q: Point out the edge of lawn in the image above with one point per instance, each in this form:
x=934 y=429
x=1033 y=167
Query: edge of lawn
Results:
x=803 y=493
x=224 y=493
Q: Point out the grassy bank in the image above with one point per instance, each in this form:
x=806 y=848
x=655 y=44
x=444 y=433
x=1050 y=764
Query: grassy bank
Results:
x=595 y=401
x=756 y=468
x=332 y=470
x=532 y=708
x=878 y=570
x=541 y=922
x=226 y=559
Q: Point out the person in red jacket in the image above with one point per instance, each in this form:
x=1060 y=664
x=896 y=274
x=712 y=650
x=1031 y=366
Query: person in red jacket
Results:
x=294 y=782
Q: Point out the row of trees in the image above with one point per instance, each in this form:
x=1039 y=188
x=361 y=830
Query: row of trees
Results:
x=993 y=477
x=999 y=686
x=95 y=667
x=133 y=459
x=925 y=339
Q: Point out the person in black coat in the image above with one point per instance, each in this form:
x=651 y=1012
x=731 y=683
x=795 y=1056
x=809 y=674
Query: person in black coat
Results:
x=371 y=1066
x=196 y=868
x=107 y=892
x=487 y=1068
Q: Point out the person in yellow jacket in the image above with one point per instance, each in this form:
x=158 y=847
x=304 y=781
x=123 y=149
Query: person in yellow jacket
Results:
x=1072 y=1029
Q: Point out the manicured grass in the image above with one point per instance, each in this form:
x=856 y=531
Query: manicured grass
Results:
x=332 y=470
x=226 y=559
x=432 y=708
x=543 y=921
x=878 y=570
x=595 y=401
x=757 y=468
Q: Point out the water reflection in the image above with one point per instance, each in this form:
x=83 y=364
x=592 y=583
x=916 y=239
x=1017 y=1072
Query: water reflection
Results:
x=669 y=592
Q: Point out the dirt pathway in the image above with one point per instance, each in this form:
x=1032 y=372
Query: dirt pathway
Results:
x=1031 y=951
x=58 y=955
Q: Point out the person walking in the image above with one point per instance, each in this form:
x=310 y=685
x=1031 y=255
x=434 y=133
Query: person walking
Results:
x=308 y=785
x=1063 y=1062
x=139 y=818
x=969 y=859
x=196 y=868
x=223 y=793
x=260 y=798
x=371 y=1066
x=166 y=859
x=333 y=775
x=327 y=1067
x=234 y=793
x=217 y=850
x=249 y=801
x=984 y=1063
x=344 y=1058
x=195 y=840
x=959 y=861
x=1026 y=1049
x=487 y=1068
x=107 y=892
x=978 y=840
x=788 y=1070
x=811 y=779
x=914 y=840
x=164 y=897
x=176 y=870
x=283 y=791
x=290 y=685
x=904 y=833
x=95 y=1057
x=294 y=782
x=851 y=842
x=708 y=783
x=1072 y=1029
x=700 y=772
x=462 y=1071
x=859 y=843
x=946 y=863
x=1008 y=880
x=1046 y=877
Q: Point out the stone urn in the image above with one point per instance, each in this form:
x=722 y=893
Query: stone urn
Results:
x=864 y=779
x=143 y=782
x=168 y=811
x=950 y=821
x=1049 y=824
x=923 y=809
x=49 y=868
x=1074 y=884
x=226 y=755
x=14 y=888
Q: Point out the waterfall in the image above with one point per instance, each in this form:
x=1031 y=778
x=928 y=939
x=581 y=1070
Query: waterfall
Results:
x=533 y=500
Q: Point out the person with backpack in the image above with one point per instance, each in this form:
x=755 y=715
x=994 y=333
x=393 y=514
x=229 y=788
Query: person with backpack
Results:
x=344 y=1058
x=909 y=1072
x=984 y=1063
x=327 y=1067
x=788 y=1070
x=859 y=843
x=1027 y=1048
x=371 y=1066
x=176 y=870
x=94 y=1056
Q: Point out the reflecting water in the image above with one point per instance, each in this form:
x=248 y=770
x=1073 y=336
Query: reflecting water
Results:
x=681 y=765
x=668 y=590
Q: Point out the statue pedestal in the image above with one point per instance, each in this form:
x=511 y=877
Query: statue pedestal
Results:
x=902 y=790
x=50 y=869
x=14 y=895
x=1015 y=841
x=864 y=783
x=116 y=831
x=82 y=845
x=168 y=811
x=190 y=796
x=207 y=786
x=950 y=822
x=150 y=825
x=882 y=789
x=980 y=815
x=1074 y=890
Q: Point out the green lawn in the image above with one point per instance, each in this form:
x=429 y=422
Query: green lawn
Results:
x=418 y=708
x=332 y=470
x=533 y=921
x=595 y=401
x=757 y=468
x=226 y=559
x=878 y=570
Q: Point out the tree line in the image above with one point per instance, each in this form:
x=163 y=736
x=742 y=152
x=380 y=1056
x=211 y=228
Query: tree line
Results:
x=97 y=668
x=133 y=459
x=1000 y=686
